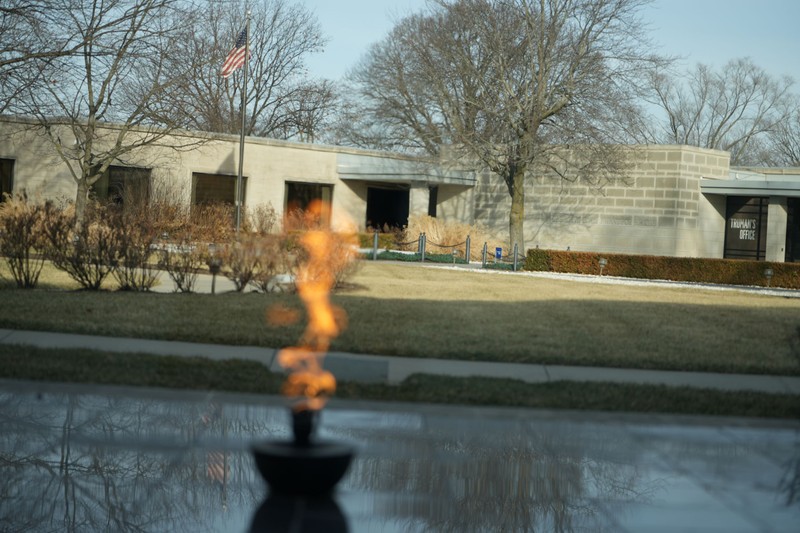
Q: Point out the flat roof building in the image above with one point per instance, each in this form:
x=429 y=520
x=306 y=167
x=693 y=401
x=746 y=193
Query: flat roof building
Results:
x=672 y=200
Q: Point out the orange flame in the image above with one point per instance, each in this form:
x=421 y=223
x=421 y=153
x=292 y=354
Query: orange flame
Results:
x=328 y=253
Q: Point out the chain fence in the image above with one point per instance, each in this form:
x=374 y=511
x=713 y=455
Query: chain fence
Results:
x=511 y=260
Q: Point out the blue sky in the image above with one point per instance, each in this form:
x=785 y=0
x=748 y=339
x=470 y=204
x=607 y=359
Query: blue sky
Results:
x=702 y=31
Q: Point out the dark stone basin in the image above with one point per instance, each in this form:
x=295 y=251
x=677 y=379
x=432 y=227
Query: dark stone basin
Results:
x=302 y=470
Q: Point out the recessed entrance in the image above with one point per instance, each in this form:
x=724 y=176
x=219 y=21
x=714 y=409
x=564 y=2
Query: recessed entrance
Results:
x=387 y=208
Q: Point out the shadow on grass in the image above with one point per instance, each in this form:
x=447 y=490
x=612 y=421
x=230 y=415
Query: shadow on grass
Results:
x=668 y=336
x=630 y=334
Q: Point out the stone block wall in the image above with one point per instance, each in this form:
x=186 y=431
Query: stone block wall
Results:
x=656 y=208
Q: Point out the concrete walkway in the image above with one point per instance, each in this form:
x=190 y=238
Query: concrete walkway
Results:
x=383 y=369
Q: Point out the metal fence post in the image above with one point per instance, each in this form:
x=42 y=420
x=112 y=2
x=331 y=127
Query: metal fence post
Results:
x=375 y=246
x=516 y=249
x=423 y=239
x=483 y=256
x=466 y=253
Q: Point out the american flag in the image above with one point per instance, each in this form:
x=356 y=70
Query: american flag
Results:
x=235 y=58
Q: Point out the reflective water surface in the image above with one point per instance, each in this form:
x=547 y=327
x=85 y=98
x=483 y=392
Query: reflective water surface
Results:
x=103 y=459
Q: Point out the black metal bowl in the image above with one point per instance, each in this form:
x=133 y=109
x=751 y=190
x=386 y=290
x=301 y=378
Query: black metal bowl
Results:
x=295 y=470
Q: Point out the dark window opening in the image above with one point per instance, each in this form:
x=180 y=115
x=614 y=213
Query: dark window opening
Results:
x=746 y=228
x=6 y=178
x=300 y=197
x=433 y=194
x=124 y=186
x=793 y=231
x=387 y=208
x=215 y=189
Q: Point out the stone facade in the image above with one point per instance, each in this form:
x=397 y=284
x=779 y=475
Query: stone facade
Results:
x=656 y=208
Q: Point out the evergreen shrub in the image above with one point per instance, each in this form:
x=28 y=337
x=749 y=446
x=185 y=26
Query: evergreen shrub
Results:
x=688 y=269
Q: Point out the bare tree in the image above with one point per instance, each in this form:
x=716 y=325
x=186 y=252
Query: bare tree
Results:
x=504 y=80
x=106 y=101
x=27 y=43
x=731 y=109
x=281 y=100
x=784 y=140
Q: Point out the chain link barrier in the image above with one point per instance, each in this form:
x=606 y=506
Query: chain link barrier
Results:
x=446 y=245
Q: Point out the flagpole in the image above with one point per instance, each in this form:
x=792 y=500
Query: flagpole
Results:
x=239 y=199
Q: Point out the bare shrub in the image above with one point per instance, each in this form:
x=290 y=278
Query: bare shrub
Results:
x=21 y=242
x=87 y=254
x=261 y=219
x=168 y=212
x=241 y=260
x=343 y=250
x=212 y=222
x=279 y=257
x=181 y=262
x=439 y=232
x=135 y=234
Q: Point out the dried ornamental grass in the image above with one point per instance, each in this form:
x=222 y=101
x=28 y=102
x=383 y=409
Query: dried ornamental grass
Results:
x=443 y=236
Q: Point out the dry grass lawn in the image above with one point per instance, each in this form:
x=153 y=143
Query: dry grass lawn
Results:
x=400 y=309
x=476 y=315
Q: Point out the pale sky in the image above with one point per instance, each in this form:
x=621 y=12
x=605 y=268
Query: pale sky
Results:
x=703 y=31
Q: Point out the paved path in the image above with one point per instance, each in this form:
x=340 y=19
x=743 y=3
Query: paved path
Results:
x=383 y=369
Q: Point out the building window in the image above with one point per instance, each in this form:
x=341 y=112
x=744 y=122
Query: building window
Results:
x=6 y=178
x=216 y=189
x=299 y=197
x=746 y=228
x=433 y=196
x=793 y=231
x=126 y=186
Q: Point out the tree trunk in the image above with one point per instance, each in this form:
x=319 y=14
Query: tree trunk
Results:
x=81 y=199
x=516 y=217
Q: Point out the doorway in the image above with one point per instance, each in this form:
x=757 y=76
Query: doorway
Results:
x=746 y=228
x=387 y=208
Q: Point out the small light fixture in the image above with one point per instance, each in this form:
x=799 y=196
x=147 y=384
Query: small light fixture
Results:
x=768 y=273
x=603 y=262
x=455 y=254
x=214 y=265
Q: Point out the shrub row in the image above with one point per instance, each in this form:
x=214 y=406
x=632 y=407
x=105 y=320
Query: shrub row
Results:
x=723 y=271
x=130 y=245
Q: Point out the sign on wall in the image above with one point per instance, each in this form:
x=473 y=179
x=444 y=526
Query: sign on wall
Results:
x=746 y=227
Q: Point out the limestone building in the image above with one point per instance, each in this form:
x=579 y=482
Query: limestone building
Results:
x=672 y=200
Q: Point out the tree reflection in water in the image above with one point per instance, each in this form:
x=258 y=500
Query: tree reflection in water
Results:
x=79 y=462
x=525 y=481
x=84 y=463
x=790 y=484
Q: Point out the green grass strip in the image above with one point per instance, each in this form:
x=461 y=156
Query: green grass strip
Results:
x=86 y=366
